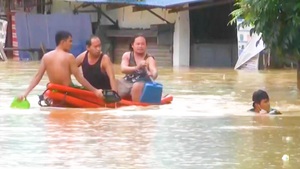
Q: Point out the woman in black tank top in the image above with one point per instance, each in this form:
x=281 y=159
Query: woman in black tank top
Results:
x=138 y=67
x=139 y=75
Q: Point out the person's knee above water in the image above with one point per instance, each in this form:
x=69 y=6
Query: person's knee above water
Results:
x=96 y=66
x=261 y=103
x=138 y=67
x=59 y=65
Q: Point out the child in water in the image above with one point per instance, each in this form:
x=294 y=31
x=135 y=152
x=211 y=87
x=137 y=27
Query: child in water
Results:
x=261 y=103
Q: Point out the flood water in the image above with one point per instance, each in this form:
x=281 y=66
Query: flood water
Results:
x=206 y=126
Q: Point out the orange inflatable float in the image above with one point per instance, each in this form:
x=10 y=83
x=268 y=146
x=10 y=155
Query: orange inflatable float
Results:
x=63 y=96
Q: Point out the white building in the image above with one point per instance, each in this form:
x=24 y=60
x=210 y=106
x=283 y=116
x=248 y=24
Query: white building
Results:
x=168 y=33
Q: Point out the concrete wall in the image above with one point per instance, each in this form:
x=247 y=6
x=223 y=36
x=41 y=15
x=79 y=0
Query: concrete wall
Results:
x=181 y=47
x=214 y=55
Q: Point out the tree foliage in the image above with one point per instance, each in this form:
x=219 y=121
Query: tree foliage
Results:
x=277 y=20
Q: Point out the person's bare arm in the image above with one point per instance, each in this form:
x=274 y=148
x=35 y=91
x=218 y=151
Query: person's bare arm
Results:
x=125 y=68
x=36 y=79
x=152 y=67
x=108 y=66
x=79 y=77
x=79 y=58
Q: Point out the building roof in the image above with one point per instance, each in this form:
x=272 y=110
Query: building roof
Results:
x=154 y=3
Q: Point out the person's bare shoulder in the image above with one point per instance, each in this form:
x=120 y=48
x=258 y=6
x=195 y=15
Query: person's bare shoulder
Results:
x=70 y=56
x=106 y=57
x=150 y=58
x=49 y=54
x=126 y=55
x=105 y=61
x=82 y=54
x=79 y=58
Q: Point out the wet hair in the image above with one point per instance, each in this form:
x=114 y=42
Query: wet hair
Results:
x=89 y=41
x=61 y=35
x=133 y=39
x=258 y=96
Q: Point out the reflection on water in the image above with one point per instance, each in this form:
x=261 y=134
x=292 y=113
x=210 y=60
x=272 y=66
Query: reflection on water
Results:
x=206 y=126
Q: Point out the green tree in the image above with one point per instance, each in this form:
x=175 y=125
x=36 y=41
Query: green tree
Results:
x=279 y=23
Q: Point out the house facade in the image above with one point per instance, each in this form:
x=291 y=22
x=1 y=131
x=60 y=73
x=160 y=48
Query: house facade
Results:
x=179 y=32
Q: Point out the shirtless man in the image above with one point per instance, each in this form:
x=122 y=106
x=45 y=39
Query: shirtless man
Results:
x=59 y=65
x=138 y=67
x=96 y=66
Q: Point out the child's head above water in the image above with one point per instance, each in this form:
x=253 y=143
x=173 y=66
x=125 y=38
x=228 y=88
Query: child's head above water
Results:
x=261 y=101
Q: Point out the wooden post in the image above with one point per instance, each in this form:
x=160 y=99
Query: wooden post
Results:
x=43 y=48
x=9 y=27
x=298 y=75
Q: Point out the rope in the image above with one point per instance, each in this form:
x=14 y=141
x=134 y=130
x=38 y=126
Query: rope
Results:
x=42 y=98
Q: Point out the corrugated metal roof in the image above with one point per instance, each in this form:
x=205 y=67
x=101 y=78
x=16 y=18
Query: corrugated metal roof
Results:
x=157 y=3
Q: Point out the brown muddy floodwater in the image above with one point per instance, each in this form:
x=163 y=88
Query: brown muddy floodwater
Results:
x=207 y=125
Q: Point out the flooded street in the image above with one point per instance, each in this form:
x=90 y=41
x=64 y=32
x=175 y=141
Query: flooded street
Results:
x=207 y=126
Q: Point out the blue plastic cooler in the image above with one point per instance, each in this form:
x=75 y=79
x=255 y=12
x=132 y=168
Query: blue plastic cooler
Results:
x=152 y=93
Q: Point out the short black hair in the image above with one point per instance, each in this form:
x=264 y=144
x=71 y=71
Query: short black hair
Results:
x=61 y=35
x=133 y=39
x=89 y=41
x=258 y=96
